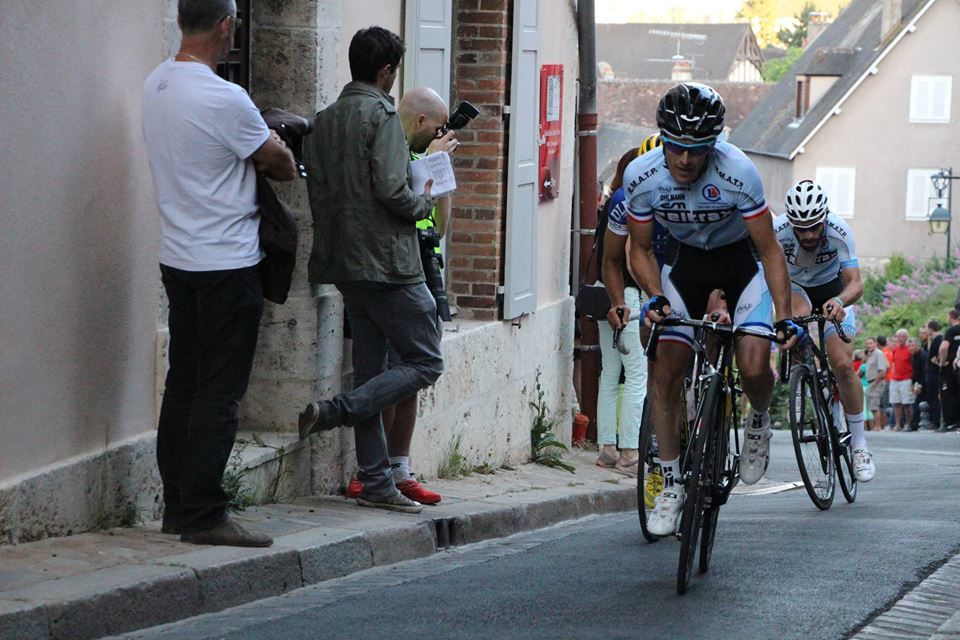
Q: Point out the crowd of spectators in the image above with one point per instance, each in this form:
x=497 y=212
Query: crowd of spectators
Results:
x=911 y=383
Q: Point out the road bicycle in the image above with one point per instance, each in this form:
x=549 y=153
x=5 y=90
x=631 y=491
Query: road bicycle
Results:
x=710 y=462
x=821 y=439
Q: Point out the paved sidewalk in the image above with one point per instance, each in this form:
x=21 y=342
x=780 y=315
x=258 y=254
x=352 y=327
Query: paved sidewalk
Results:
x=97 y=584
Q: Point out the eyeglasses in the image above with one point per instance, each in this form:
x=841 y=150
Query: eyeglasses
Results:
x=813 y=230
x=695 y=151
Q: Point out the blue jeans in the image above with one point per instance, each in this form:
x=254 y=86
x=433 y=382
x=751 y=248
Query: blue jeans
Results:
x=214 y=323
x=382 y=316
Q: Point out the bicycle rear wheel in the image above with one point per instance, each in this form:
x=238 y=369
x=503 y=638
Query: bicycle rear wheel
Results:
x=811 y=437
x=649 y=478
x=843 y=453
x=696 y=480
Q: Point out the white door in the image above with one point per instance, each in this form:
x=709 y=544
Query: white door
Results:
x=429 y=34
x=520 y=267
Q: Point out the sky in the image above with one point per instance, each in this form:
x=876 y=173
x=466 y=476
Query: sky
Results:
x=667 y=10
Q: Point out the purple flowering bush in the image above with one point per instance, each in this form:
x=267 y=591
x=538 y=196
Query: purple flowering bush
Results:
x=917 y=292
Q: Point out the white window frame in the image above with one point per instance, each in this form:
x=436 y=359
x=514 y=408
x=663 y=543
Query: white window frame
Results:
x=922 y=91
x=828 y=177
x=926 y=200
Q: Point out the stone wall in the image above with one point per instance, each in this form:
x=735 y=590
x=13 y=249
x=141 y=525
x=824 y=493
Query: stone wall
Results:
x=301 y=354
x=481 y=404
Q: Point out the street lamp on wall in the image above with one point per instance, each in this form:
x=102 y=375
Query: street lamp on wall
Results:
x=940 y=218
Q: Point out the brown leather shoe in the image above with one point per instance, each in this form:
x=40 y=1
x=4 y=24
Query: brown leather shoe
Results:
x=228 y=534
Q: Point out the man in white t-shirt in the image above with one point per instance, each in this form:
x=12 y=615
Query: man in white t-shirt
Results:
x=205 y=140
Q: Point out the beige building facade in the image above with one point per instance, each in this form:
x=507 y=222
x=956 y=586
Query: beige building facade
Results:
x=83 y=331
x=872 y=130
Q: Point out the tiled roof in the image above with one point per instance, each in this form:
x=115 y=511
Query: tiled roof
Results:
x=847 y=48
x=635 y=53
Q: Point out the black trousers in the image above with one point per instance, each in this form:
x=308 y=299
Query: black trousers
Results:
x=949 y=397
x=932 y=391
x=214 y=321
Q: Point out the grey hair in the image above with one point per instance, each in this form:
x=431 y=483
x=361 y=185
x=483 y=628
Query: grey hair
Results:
x=899 y=331
x=200 y=16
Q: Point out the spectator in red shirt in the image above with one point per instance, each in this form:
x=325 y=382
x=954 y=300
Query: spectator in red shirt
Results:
x=901 y=383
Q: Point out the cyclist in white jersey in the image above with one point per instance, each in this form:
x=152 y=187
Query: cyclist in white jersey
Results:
x=822 y=261
x=709 y=197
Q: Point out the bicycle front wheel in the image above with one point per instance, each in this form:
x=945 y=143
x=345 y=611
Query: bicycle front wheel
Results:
x=811 y=437
x=843 y=453
x=696 y=478
x=723 y=474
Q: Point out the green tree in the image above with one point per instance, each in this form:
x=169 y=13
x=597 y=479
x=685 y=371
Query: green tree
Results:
x=775 y=69
x=795 y=37
x=762 y=16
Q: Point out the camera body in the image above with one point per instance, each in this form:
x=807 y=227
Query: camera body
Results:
x=429 y=241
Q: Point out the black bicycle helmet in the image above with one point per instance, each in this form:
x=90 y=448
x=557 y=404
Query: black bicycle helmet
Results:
x=691 y=112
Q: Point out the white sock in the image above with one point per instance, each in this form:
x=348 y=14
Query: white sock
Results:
x=671 y=470
x=401 y=464
x=855 y=424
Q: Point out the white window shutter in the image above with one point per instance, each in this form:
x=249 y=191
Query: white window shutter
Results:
x=429 y=38
x=840 y=184
x=930 y=98
x=520 y=267
x=920 y=194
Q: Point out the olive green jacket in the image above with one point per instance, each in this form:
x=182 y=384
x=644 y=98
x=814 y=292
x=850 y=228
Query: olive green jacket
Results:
x=364 y=212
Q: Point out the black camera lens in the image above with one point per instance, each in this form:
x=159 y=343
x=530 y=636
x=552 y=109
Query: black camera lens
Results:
x=461 y=117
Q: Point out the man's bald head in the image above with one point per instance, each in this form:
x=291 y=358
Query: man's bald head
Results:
x=422 y=112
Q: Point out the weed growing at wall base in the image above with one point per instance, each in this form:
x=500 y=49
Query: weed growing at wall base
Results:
x=546 y=449
x=454 y=463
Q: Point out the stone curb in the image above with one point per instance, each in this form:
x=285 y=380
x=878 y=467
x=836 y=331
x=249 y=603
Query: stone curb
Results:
x=142 y=594
x=929 y=610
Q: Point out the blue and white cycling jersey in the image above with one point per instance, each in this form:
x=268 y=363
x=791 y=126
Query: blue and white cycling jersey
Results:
x=617 y=224
x=706 y=214
x=836 y=252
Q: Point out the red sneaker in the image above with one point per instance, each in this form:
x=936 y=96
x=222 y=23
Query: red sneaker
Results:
x=415 y=491
x=354 y=489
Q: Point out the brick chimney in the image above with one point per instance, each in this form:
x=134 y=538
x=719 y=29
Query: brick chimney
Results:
x=890 y=20
x=682 y=70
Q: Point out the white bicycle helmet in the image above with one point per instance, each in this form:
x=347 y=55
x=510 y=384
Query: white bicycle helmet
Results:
x=806 y=204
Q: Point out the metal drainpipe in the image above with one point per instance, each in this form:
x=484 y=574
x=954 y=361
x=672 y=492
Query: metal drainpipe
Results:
x=587 y=163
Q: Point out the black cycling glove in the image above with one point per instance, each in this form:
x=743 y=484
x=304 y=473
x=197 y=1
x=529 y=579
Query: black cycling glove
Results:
x=789 y=328
x=657 y=304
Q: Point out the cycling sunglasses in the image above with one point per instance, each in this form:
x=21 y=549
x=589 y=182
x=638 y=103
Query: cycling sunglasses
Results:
x=696 y=150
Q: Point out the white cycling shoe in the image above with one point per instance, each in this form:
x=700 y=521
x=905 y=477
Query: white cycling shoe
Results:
x=863 y=467
x=755 y=455
x=667 y=509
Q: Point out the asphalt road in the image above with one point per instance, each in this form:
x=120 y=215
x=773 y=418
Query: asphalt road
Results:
x=780 y=569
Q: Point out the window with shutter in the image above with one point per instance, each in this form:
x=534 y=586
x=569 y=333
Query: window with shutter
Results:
x=429 y=40
x=839 y=183
x=921 y=195
x=930 y=98
x=520 y=268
